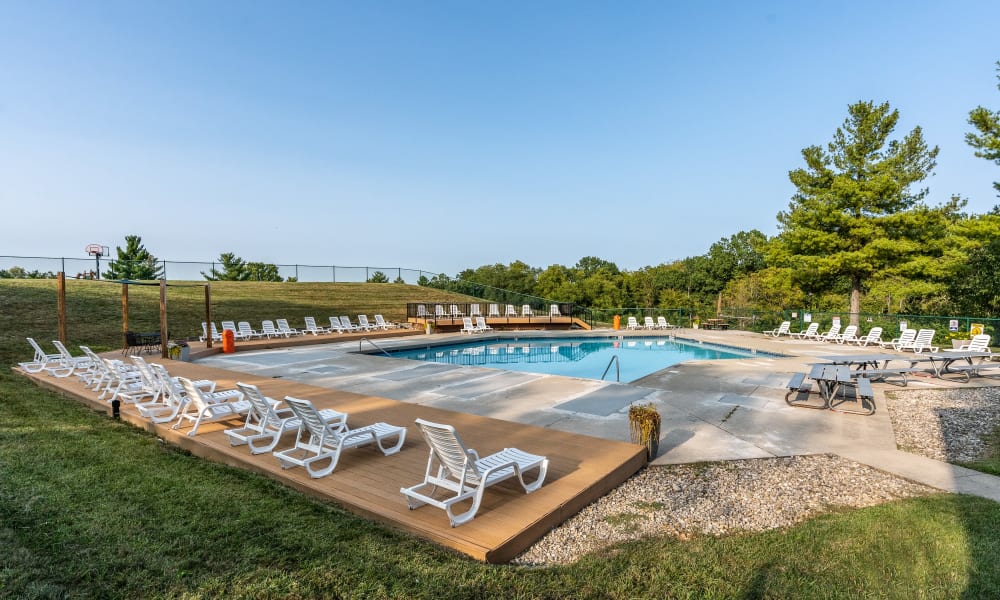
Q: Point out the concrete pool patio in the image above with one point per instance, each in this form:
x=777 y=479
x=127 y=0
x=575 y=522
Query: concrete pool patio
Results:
x=711 y=410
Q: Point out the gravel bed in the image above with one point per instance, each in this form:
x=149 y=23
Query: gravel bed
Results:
x=718 y=499
x=944 y=425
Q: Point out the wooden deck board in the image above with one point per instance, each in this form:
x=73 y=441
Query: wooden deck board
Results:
x=581 y=468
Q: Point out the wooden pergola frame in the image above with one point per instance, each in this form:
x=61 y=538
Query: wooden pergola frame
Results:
x=61 y=308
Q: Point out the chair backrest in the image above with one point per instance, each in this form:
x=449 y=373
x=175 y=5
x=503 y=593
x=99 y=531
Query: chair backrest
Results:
x=979 y=343
x=313 y=421
x=438 y=310
x=193 y=393
x=380 y=321
x=335 y=324
x=146 y=372
x=474 y=310
x=363 y=320
x=632 y=322
x=345 y=322
x=447 y=447
x=467 y=323
x=813 y=328
x=525 y=310
x=39 y=353
x=421 y=310
x=511 y=311
x=454 y=310
x=481 y=323
x=554 y=310
x=834 y=330
x=850 y=331
x=662 y=321
x=783 y=328
x=924 y=337
x=282 y=324
x=311 y=323
x=244 y=328
x=908 y=336
x=268 y=327
x=648 y=321
x=230 y=325
x=494 y=310
x=259 y=404
x=874 y=334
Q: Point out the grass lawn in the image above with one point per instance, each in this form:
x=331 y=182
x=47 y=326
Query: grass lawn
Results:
x=90 y=507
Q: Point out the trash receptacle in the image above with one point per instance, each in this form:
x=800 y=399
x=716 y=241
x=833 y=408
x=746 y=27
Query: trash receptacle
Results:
x=228 y=341
x=618 y=322
x=429 y=327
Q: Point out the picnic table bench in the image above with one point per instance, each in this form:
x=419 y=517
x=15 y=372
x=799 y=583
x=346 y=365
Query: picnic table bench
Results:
x=831 y=379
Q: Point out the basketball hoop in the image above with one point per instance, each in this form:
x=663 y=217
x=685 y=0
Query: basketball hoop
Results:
x=96 y=250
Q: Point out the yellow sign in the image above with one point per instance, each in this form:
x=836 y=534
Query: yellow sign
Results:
x=976 y=328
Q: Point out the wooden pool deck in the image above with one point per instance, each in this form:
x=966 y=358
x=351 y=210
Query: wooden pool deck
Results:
x=581 y=468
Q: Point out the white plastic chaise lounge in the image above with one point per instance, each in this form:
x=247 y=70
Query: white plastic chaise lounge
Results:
x=312 y=327
x=422 y=312
x=850 y=334
x=474 y=311
x=554 y=310
x=468 y=326
x=216 y=336
x=922 y=341
x=526 y=311
x=268 y=330
x=68 y=364
x=648 y=323
x=632 y=323
x=511 y=311
x=266 y=422
x=782 y=329
x=319 y=440
x=978 y=343
x=381 y=323
x=346 y=325
x=41 y=360
x=905 y=339
x=662 y=323
x=482 y=325
x=807 y=333
x=364 y=324
x=231 y=326
x=176 y=399
x=439 y=312
x=829 y=336
x=455 y=313
x=459 y=470
x=283 y=327
x=248 y=332
x=873 y=337
x=203 y=408
x=494 y=311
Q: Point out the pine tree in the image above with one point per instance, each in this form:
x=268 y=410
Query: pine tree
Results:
x=134 y=262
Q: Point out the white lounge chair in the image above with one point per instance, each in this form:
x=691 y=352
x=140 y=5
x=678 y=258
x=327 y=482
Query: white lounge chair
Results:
x=511 y=311
x=526 y=311
x=175 y=398
x=283 y=327
x=422 y=312
x=905 y=339
x=247 y=332
x=632 y=323
x=439 y=312
x=468 y=326
x=647 y=323
x=68 y=364
x=216 y=336
x=494 y=311
x=808 y=333
x=850 y=334
x=206 y=407
x=554 y=310
x=381 y=323
x=457 y=469
x=482 y=325
x=231 y=326
x=829 y=336
x=41 y=360
x=455 y=313
x=266 y=422
x=978 y=343
x=319 y=440
x=474 y=310
x=335 y=325
x=364 y=324
x=782 y=329
x=922 y=341
x=268 y=330
x=346 y=325
x=312 y=327
x=873 y=337
x=661 y=322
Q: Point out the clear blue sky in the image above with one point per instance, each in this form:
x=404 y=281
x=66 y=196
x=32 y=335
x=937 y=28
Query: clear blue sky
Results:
x=445 y=135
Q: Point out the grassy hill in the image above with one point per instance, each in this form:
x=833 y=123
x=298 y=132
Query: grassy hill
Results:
x=94 y=308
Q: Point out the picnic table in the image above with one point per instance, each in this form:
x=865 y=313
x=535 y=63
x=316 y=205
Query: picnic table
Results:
x=943 y=363
x=831 y=379
x=716 y=324
x=875 y=366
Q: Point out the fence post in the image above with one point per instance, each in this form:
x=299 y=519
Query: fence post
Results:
x=61 y=306
x=163 y=318
x=334 y=270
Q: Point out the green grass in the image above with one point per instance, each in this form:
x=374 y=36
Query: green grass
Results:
x=90 y=507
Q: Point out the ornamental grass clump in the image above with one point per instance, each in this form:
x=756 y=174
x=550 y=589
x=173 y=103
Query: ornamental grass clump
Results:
x=644 y=425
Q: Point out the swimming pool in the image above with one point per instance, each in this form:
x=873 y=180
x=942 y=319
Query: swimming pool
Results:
x=586 y=358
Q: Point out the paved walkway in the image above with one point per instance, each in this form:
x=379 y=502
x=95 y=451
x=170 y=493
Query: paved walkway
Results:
x=711 y=410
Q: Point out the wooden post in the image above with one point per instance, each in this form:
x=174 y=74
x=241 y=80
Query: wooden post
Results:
x=163 y=318
x=61 y=306
x=124 y=308
x=208 y=315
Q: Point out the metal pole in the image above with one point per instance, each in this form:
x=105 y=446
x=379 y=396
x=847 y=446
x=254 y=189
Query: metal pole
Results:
x=97 y=257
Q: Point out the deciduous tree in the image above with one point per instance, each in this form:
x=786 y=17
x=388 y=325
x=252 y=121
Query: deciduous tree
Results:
x=987 y=141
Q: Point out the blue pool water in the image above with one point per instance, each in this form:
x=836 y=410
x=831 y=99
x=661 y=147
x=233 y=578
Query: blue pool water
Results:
x=577 y=357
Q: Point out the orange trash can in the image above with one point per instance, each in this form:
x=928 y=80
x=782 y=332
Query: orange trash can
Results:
x=618 y=322
x=228 y=341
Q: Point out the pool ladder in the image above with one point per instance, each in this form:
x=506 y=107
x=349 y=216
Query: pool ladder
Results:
x=618 y=368
x=364 y=339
